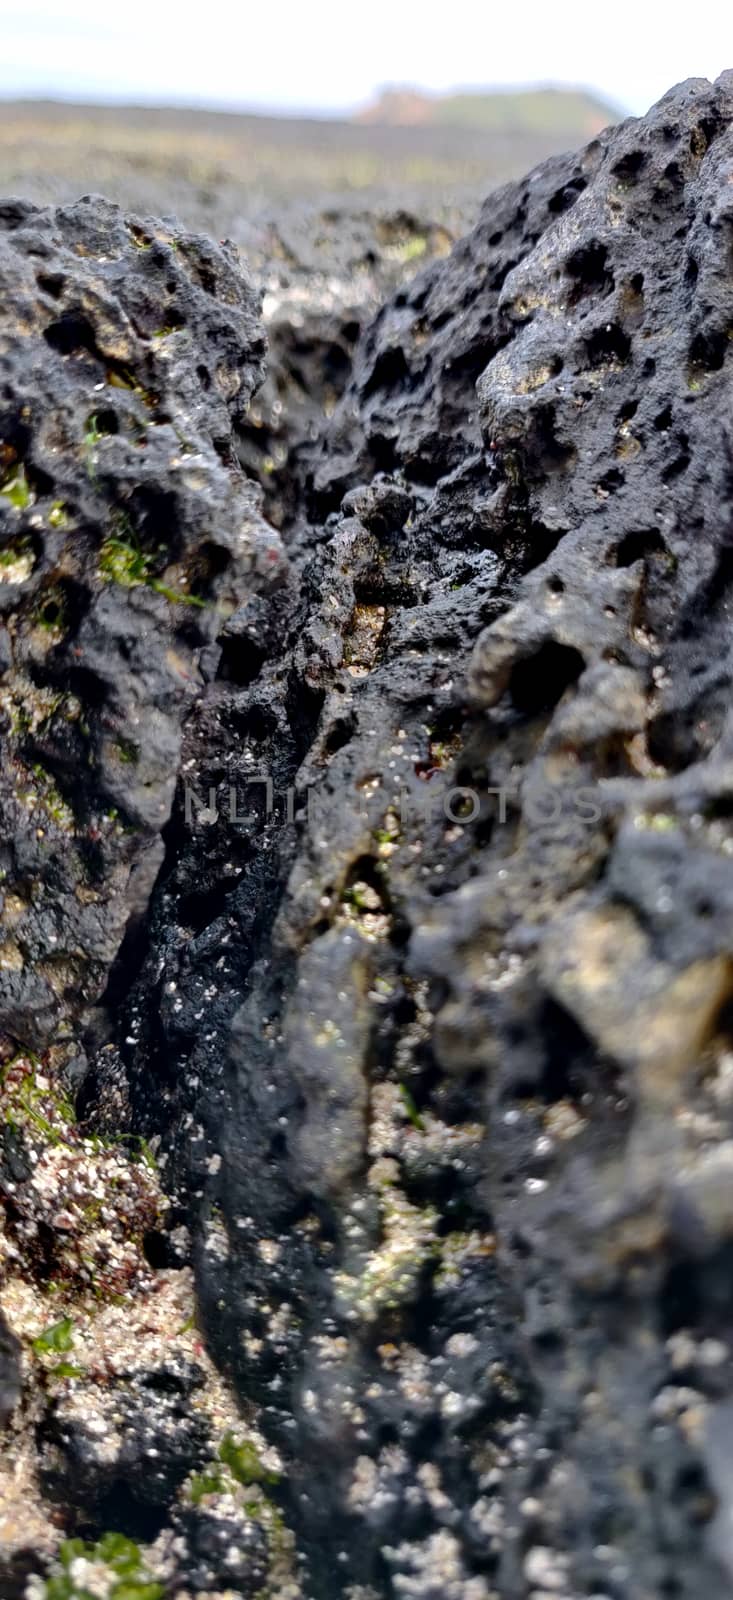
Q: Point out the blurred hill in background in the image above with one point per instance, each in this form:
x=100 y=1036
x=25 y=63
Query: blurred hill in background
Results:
x=547 y=113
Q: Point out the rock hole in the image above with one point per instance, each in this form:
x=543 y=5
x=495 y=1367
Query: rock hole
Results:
x=694 y=1293
x=627 y=170
x=105 y=421
x=241 y=660
x=549 y=453
x=159 y=1254
x=71 y=334
x=257 y=723
x=540 y=681
x=304 y=707
x=566 y=197
x=390 y=370
x=636 y=546
x=707 y=352
x=608 y=345
x=383 y=452
x=339 y=735
x=588 y=268
x=428 y=469
x=155 y=515
x=51 y=283
x=203 y=907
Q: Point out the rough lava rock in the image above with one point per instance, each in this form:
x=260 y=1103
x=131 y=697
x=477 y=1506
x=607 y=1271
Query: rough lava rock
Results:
x=129 y=351
x=325 y=271
x=127 y=354
x=431 y=1016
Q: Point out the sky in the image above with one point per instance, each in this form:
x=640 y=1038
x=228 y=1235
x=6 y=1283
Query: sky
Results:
x=331 y=55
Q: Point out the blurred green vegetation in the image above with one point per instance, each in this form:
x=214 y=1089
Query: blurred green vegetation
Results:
x=218 y=170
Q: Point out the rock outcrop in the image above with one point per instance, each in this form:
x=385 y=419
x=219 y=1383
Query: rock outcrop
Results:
x=127 y=357
x=430 y=1012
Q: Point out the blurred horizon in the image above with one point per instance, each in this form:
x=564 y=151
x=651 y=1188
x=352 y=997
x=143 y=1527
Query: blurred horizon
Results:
x=239 y=118
x=310 y=113
x=324 y=61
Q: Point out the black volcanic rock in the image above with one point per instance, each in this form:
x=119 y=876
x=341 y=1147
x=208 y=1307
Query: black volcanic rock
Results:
x=128 y=353
x=325 y=271
x=431 y=1014
x=10 y=1374
x=411 y=404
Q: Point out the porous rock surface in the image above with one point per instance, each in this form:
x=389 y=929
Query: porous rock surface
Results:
x=325 y=271
x=430 y=1019
x=126 y=358
x=128 y=533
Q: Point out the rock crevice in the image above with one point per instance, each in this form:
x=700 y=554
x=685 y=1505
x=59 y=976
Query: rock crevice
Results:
x=425 y=847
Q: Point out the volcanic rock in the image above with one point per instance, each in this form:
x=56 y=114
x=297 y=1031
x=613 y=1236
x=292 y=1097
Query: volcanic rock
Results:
x=127 y=529
x=430 y=1016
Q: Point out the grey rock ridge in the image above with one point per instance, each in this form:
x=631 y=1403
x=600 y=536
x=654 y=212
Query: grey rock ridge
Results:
x=387 y=1247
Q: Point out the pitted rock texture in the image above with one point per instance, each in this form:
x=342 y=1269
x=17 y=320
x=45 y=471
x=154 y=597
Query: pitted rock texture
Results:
x=128 y=353
x=470 y=961
x=431 y=1016
x=412 y=401
x=325 y=271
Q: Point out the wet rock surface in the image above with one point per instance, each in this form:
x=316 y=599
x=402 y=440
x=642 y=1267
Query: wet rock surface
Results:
x=427 y=1015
